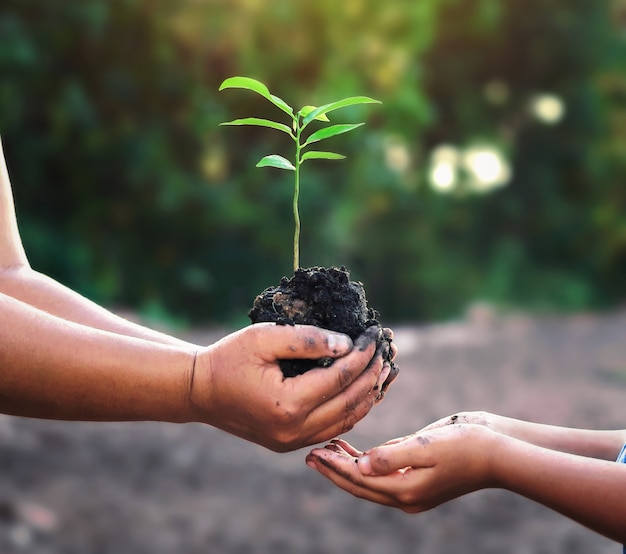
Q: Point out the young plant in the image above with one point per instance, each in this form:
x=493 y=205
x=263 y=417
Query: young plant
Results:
x=299 y=122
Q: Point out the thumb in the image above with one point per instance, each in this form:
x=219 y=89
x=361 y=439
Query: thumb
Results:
x=305 y=341
x=390 y=457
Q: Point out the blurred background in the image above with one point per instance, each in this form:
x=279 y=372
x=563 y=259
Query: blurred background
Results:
x=493 y=171
x=482 y=206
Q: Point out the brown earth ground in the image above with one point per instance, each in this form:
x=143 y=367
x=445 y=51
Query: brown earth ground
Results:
x=150 y=488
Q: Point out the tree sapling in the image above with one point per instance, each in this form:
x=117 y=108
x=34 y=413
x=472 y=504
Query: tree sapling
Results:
x=315 y=296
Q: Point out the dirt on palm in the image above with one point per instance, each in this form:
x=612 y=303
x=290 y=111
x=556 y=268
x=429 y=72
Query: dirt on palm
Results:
x=150 y=488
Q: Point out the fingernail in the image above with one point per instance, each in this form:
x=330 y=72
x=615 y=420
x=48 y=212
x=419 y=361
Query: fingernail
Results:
x=339 y=343
x=365 y=465
x=311 y=464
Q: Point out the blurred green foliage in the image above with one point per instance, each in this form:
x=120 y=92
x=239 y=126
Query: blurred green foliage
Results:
x=128 y=191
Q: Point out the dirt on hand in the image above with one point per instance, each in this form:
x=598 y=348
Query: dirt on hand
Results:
x=156 y=488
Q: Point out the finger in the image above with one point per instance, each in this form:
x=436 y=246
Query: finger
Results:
x=342 y=470
x=388 y=336
x=347 y=447
x=381 y=380
x=319 y=386
x=299 y=341
x=393 y=374
x=394 y=350
x=341 y=413
x=390 y=352
x=388 y=458
x=337 y=422
x=388 y=333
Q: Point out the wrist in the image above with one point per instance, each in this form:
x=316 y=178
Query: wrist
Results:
x=509 y=427
x=490 y=445
x=198 y=387
x=502 y=449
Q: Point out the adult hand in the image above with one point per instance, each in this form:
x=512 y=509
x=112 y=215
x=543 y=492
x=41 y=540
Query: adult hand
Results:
x=237 y=384
x=413 y=473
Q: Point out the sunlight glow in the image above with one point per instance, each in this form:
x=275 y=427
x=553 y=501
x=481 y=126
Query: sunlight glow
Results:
x=478 y=169
x=548 y=108
x=487 y=167
x=443 y=177
x=443 y=171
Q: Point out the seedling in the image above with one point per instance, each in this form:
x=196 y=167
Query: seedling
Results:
x=299 y=122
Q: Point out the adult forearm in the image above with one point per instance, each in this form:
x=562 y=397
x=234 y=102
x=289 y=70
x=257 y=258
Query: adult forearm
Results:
x=57 y=369
x=46 y=294
x=587 y=490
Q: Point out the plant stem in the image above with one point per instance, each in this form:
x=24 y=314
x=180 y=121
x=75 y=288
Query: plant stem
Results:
x=296 y=195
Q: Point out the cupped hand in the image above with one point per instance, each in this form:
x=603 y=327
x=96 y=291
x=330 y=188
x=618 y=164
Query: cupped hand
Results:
x=238 y=386
x=413 y=473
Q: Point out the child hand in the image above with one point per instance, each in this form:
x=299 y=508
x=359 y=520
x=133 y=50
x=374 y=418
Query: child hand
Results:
x=413 y=473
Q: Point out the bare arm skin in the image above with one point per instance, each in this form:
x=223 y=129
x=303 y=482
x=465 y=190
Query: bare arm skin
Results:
x=57 y=369
x=54 y=368
x=584 y=442
x=11 y=249
x=440 y=463
x=40 y=291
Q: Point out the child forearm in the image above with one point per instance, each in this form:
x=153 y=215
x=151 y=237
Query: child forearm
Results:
x=589 y=491
x=583 y=442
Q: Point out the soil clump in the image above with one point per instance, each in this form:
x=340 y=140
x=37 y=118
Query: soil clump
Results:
x=324 y=297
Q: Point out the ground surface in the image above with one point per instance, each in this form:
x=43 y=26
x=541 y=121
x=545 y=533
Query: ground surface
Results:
x=157 y=488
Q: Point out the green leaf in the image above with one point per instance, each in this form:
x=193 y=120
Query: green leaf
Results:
x=331 y=131
x=257 y=86
x=308 y=109
x=276 y=161
x=260 y=123
x=314 y=155
x=351 y=101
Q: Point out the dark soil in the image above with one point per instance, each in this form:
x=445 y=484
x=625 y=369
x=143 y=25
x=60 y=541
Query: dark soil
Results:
x=324 y=297
x=152 y=488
